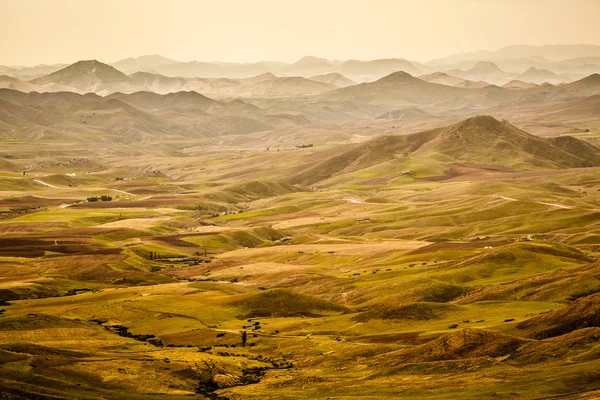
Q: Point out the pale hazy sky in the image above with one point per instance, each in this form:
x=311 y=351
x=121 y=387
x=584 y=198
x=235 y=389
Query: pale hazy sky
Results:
x=52 y=31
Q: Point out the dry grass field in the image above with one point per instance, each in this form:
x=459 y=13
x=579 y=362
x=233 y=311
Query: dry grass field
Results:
x=323 y=229
x=351 y=278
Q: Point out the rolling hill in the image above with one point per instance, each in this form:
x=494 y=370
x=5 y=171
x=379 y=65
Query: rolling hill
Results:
x=397 y=88
x=370 y=70
x=479 y=140
x=15 y=116
x=535 y=75
x=583 y=313
x=90 y=76
x=403 y=89
x=263 y=85
x=150 y=101
x=283 y=87
x=8 y=82
x=194 y=69
x=551 y=52
x=444 y=79
x=133 y=117
x=308 y=66
x=483 y=71
x=28 y=73
x=334 y=79
x=404 y=114
x=261 y=234
x=588 y=86
x=582 y=110
x=142 y=63
x=516 y=84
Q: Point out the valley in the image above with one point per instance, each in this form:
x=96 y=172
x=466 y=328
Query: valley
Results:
x=388 y=266
x=325 y=228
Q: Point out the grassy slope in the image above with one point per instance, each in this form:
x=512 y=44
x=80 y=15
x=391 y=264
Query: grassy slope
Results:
x=360 y=291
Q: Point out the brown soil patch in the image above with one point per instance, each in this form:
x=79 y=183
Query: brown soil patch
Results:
x=85 y=267
x=153 y=202
x=31 y=201
x=32 y=247
x=29 y=226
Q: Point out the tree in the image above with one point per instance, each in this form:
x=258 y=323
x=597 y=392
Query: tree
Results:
x=244 y=338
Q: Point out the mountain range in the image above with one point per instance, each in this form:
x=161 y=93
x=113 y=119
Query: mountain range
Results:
x=569 y=62
x=138 y=106
x=284 y=102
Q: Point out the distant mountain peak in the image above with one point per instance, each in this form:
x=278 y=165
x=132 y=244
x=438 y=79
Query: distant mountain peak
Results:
x=592 y=78
x=334 y=78
x=79 y=68
x=334 y=75
x=188 y=94
x=485 y=66
x=311 y=59
x=588 y=85
x=537 y=75
x=88 y=64
x=145 y=62
x=153 y=56
x=518 y=84
x=398 y=76
x=266 y=75
x=482 y=124
x=86 y=76
x=483 y=121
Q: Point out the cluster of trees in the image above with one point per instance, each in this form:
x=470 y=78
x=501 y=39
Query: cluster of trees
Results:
x=304 y=146
x=20 y=210
x=101 y=198
x=154 y=256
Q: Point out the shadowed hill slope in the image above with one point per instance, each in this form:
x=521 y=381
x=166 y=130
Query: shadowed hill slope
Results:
x=467 y=343
x=153 y=101
x=137 y=116
x=588 y=86
x=583 y=313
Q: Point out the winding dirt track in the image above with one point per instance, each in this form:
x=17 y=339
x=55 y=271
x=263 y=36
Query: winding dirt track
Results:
x=47 y=184
x=539 y=202
x=561 y=206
